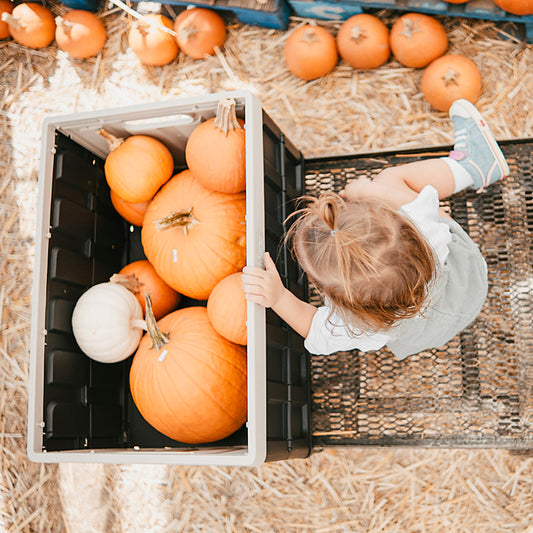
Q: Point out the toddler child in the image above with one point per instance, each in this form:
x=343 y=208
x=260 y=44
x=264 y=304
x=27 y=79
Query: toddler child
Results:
x=394 y=269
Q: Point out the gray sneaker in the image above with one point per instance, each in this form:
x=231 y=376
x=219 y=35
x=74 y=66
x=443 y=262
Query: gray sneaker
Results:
x=475 y=147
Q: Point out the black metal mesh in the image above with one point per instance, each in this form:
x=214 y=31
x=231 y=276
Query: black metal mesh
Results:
x=476 y=390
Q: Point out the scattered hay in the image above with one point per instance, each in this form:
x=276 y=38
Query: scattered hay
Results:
x=344 y=112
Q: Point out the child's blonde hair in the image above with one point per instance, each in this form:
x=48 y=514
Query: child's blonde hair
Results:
x=370 y=261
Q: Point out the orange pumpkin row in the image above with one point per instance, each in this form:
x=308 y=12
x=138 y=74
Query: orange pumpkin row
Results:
x=197 y=32
x=364 y=42
x=78 y=32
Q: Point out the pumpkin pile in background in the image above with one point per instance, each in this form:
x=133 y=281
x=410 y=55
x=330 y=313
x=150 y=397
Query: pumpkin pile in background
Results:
x=188 y=374
x=311 y=51
x=364 y=41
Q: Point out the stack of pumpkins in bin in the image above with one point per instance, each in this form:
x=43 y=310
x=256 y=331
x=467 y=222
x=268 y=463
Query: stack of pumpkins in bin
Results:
x=365 y=42
x=188 y=375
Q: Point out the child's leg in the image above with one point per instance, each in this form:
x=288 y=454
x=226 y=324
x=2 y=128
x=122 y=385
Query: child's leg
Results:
x=418 y=174
x=476 y=160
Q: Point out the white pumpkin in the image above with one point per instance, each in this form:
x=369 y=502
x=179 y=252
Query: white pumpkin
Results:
x=108 y=322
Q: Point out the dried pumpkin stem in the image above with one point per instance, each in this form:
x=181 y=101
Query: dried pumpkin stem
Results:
x=67 y=25
x=130 y=281
x=12 y=21
x=358 y=33
x=184 y=218
x=159 y=339
x=113 y=141
x=226 y=118
x=450 y=77
x=187 y=32
x=409 y=27
x=310 y=36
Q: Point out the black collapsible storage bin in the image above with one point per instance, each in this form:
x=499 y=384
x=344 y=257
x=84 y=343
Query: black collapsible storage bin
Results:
x=82 y=410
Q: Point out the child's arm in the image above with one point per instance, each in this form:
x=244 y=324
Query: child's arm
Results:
x=265 y=287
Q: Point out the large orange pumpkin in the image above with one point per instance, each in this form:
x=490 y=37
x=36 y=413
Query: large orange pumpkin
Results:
x=226 y=309
x=136 y=167
x=417 y=39
x=194 y=237
x=310 y=52
x=190 y=383
x=363 y=41
x=140 y=277
x=517 y=7
x=449 y=78
x=222 y=166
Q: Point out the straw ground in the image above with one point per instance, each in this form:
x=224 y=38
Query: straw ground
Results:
x=342 y=489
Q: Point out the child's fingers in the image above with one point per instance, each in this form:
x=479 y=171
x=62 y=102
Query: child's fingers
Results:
x=269 y=263
x=256 y=299
x=253 y=272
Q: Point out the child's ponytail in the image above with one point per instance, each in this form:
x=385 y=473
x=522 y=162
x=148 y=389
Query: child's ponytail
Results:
x=371 y=262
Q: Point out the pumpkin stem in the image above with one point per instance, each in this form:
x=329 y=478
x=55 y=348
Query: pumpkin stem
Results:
x=184 y=218
x=450 y=77
x=67 y=25
x=130 y=281
x=358 y=33
x=112 y=141
x=226 y=118
x=138 y=323
x=309 y=36
x=159 y=339
x=409 y=27
x=187 y=32
x=12 y=21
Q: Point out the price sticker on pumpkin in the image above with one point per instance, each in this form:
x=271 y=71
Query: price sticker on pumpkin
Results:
x=162 y=355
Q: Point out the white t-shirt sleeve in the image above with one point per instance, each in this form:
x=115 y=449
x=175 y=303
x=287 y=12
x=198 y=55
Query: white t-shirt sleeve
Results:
x=329 y=335
x=424 y=212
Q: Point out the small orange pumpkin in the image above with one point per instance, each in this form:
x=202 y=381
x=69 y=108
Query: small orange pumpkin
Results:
x=140 y=277
x=310 y=52
x=6 y=6
x=222 y=167
x=136 y=167
x=190 y=382
x=31 y=25
x=226 y=309
x=194 y=237
x=517 y=7
x=363 y=41
x=80 y=33
x=417 y=39
x=199 y=31
x=449 y=78
x=132 y=212
x=151 y=44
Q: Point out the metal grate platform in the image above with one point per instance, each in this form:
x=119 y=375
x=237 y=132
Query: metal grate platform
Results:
x=477 y=391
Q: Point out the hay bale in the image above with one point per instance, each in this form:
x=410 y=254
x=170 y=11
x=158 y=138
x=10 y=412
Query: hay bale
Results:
x=347 y=111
